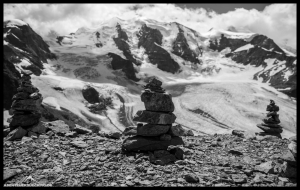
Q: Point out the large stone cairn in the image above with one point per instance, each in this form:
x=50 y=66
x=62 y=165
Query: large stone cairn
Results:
x=270 y=124
x=25 y=108
x=156 y=132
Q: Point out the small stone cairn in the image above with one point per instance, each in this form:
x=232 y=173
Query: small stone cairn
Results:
x=25 y=108
x=270 y=124
x=156 y=132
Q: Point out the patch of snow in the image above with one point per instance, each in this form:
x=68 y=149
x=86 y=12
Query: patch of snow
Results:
x=51 y=101
x=288 y=53
x=15 y=22
x=245 y=47
x=287 y=74
x=288 y=88
x=270 y=63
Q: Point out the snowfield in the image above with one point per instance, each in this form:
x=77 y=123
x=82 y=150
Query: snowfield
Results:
x=215 y=97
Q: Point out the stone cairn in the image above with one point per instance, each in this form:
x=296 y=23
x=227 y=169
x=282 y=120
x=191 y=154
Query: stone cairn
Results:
x=25 y=109
x=270 y=124
x=156 y=134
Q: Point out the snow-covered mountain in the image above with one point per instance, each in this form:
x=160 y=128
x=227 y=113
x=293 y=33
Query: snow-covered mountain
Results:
x=228 y=75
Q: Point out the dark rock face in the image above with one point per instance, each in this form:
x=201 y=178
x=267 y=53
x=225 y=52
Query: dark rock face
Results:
x=90 y=94
x=152 y=130
x=157 y=101
x=151 y=39
x=233 y=44
x=21 y=39
x=121 y=42
x=255 y=56
x=149 y=143
x=154 y=117
x=181 y=48
x=126 y=66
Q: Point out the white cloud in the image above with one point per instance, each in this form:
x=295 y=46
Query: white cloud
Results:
x=277 y=21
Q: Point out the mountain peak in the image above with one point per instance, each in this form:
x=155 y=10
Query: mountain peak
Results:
x=14 y=22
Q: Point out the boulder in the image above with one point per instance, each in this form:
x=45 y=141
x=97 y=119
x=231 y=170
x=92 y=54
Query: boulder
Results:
x=79 y=144
x=58 y=127
x=9 y=173
x=269 y=129
x=152 y=130
x=114 y=135
x=95 y=128
x=165 y=137
x=288 y=156
x=31 y=134
x=131 y=130
x=40 y=128
x=18 y=133
x=293 y=148
x=238 y=133
x=90 y=94
x=191 y=178
x=162 y=159
x=154 y=117
x=71 y=134
x=137 y=143
x=82 y=130
x=176 y=151
x=176 y=130
x=189 y=133
x=287 y=170
x=161 y=102
x=24 y=120
x=267 y=167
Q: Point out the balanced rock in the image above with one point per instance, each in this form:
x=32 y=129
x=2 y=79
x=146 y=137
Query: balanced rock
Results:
x=165 y=137
x=21 y=96
x=161 y=102
x=25 y=120
x=152 y=130
x=137 y=143
x=28 y=89
x=131 y=130
x=154 y=117
x=269 y=129
x=26 y=105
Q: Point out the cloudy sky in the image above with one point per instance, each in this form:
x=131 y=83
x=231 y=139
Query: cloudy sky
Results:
x=277 y=21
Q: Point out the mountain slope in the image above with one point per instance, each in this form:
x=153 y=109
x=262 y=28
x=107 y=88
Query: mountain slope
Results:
x=118 y=56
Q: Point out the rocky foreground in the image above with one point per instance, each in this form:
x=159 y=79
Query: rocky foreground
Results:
x=96 y=160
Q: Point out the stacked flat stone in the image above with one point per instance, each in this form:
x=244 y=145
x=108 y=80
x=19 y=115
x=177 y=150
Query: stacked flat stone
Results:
x=25 y=106
x=156 y=131
x=270 y=124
